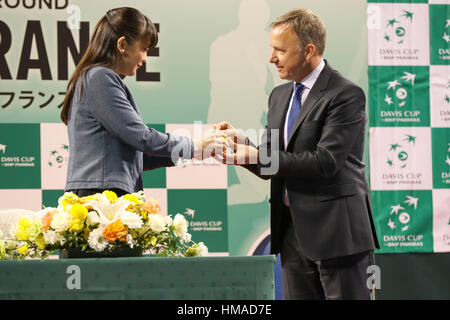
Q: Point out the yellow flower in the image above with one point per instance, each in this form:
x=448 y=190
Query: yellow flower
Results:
x=76 y=225
x=22 y=228
x=78 y=212
x=2 y=250
x=87 y=199
x=111 y=195
x=34 y=230
x=153 y=240
x=68 y=198
x=40 y=242
x=132 y=198
x=23 y=249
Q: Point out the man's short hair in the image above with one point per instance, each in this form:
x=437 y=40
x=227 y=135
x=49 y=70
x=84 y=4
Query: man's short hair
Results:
x=307 y=25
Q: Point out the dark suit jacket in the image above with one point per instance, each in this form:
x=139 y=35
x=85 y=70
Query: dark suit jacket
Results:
x=322 y=169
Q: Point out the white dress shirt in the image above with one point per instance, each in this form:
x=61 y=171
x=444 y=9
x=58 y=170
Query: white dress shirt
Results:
x=308 y=82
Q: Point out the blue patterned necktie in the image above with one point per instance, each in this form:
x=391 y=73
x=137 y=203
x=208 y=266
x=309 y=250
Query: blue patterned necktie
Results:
x=296 y=105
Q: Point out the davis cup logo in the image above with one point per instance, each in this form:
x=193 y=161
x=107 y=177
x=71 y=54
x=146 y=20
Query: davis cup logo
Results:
x=398 y=34
x=58 y=157
x=445 y=173
x=397 y=91
x=439 y=34
x=15 y=160
x=447 y=95
x=446 y=36
x=396 y=29
x=442 y=39
x=398 y=152
x=189 y=212
x=448 y=158
x=400 y=95
x=399 y=217
x=441 y=159
x=408 y=223
x=439 y=96
x=404 y=220
x=401 y=158
x=201 y=225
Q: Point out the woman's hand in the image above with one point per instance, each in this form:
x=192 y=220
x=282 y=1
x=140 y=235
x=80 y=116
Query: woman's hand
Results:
x=212 y=143
x=235 y=134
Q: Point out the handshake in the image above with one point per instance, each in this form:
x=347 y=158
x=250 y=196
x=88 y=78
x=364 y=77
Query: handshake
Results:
x=226 y=144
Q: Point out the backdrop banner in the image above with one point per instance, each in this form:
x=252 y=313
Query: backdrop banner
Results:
x=211 y=64
x=409 y=97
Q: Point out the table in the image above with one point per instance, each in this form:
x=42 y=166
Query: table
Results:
x=147 y=277
x=414 y=276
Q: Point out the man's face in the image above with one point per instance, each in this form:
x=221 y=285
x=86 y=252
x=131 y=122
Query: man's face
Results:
x=287 y=54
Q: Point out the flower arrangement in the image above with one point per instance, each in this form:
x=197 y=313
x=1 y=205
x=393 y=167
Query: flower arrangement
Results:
x=100 y=223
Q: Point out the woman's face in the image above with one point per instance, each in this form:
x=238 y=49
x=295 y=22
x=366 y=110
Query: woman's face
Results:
x=133 y=56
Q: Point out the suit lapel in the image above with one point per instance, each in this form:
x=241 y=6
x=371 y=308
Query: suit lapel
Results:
x=316 y=92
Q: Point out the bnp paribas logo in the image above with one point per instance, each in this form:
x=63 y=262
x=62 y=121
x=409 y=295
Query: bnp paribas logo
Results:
x=397 y=27
x=58 y=157
x=398 y=155
x=400 y=215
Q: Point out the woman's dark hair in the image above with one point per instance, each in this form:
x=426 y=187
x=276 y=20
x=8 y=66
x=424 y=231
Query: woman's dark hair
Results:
x=102 y=51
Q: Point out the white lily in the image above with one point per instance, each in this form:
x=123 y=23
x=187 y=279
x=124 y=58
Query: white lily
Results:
x=180 y=225
x=108 y=212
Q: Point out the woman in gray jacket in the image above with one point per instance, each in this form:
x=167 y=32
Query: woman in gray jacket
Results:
x=109 y=144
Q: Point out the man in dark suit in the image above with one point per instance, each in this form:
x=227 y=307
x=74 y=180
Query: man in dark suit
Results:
x=312 y=150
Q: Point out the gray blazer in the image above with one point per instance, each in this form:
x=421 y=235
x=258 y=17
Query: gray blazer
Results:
x=109 y=144
x=322 y=169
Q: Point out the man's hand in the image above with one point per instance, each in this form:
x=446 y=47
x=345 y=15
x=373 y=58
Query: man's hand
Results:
x=211 y=144
x=238 y=154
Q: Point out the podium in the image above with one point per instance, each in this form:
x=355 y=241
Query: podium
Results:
x=141 y=278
